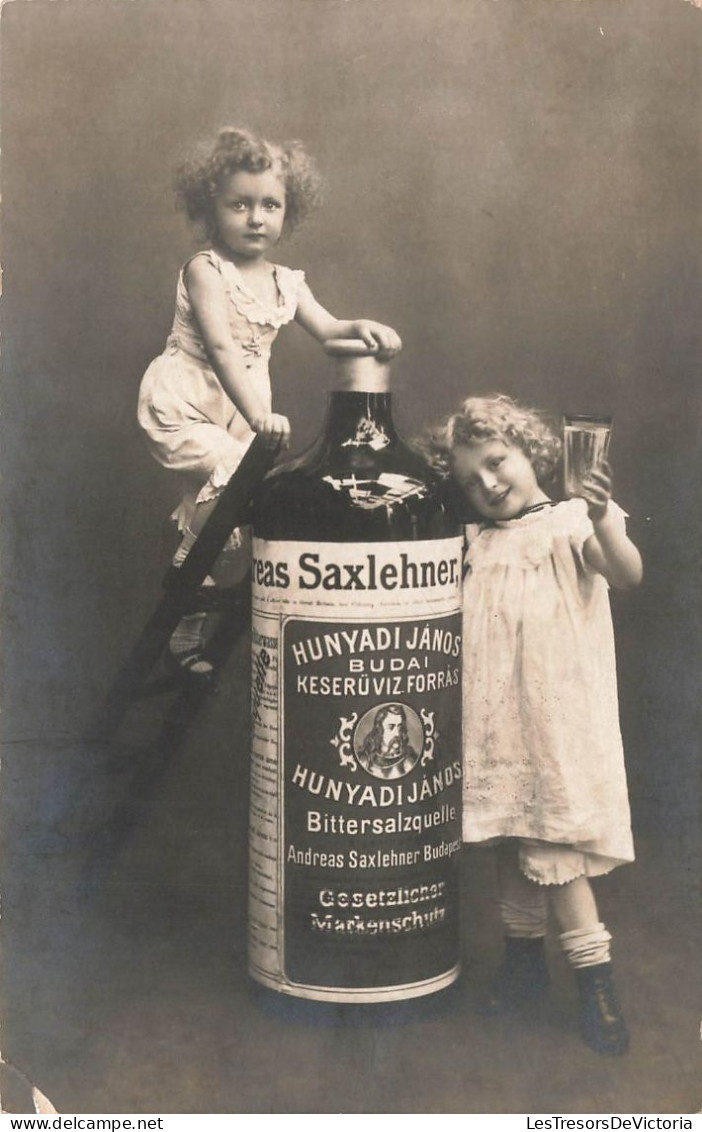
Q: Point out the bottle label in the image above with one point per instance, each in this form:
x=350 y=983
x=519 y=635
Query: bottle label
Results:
x=356 y=767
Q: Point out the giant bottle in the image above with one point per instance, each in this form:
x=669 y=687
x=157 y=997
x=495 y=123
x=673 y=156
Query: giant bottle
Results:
x=356 y=701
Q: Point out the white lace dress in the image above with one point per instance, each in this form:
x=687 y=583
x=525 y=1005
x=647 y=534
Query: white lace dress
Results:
x=543 y=754
x=191 y=424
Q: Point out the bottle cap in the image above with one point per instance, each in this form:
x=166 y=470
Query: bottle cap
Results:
x=358 y=368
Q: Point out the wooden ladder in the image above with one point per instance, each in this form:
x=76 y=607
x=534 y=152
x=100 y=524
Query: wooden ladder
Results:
x=183 y=595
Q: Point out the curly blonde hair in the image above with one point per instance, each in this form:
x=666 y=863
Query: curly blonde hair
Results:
x=497 y=417
x=198 y=180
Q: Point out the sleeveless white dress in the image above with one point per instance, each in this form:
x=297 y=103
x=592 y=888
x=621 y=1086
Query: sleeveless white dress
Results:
x=191 y=424
x=543 y=755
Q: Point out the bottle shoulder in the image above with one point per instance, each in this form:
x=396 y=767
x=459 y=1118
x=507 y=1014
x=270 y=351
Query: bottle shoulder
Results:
x=338 y=492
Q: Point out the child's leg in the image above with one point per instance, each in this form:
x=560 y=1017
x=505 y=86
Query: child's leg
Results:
x=187 y=639
x=198 y=518
x=585 y=941
x=574 y=904
x=587 y=950
x=586 y=945
x=523 y=908
x=232 y=566
x=522 y=975
x=206 y=455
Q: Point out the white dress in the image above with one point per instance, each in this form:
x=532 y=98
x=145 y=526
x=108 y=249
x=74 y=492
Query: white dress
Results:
x=191 y=424
x=543 y=754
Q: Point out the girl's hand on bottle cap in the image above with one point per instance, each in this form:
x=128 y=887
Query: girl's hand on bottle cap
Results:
x=378 y=337
x=274 y=430
x=597 y=491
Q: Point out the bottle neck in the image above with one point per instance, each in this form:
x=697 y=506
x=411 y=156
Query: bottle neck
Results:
x=359 y=413
x=352 y=373
x=360 y=419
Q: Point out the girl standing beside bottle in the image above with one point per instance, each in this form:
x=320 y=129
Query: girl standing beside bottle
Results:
x=544 y=775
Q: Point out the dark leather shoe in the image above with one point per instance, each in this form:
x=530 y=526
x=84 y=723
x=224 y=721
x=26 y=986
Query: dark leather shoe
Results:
x=601 y=1020
x=521 y=979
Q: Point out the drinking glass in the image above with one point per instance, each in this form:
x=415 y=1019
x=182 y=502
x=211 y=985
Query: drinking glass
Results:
x=585 y=446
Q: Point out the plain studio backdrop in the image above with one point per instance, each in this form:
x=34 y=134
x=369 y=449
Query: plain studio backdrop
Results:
x=514 y=185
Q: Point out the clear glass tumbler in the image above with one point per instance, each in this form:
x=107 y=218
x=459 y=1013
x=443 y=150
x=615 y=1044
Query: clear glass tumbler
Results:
x=585 y=446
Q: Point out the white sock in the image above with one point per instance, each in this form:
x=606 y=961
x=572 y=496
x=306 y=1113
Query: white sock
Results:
x=524 y=916
x=184 y=547
x=522 y=903
x=586 y=947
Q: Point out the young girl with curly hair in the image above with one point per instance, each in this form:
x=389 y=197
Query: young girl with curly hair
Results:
x=544 y=773
x=209 y=392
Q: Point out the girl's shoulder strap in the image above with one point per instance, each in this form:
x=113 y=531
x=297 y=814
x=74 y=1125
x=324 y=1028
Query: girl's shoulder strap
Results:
x=206 y=254
x=288 y=278
x=288 y=272
x=472 y=531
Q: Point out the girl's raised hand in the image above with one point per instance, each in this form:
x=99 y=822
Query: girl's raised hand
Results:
x=274 y=430
x=377 y=337
x=597 y=491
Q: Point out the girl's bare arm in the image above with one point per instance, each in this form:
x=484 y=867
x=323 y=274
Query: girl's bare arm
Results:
x=322 y=325
x=609 y=550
